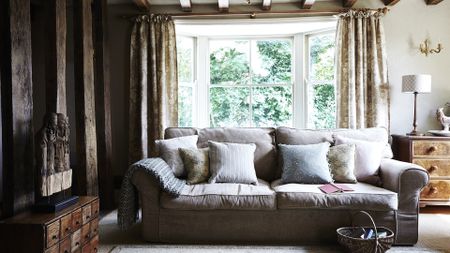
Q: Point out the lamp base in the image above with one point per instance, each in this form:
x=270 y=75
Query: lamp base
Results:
x=415 y=133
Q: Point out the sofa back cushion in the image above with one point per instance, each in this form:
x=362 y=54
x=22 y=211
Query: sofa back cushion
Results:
x=264 y=138
x=294 y=136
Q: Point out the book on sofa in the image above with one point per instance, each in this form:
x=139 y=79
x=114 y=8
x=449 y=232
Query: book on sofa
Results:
x=333 y=188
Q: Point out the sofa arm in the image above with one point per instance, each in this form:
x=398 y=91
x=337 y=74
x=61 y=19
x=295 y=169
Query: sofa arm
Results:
x=407 y=180
x=149 y=191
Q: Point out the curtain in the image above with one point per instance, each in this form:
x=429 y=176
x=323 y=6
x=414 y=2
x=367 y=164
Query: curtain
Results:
x=362 y=89
x=153 y=104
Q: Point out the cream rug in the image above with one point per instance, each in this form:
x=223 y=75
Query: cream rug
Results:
x=434 y=236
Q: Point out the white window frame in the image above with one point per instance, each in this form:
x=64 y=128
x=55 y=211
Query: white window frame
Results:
x=299 y=82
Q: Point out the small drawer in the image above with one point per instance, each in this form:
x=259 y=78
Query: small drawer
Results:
x=95 y=207
x=436 y=190
x=86 y=214
x=54 y=249
x=76 y=219
x=436 y=167
x=430 y=148
x=85 y=233
x=52 y=233
x=66 y=225
x=86 y=248
x=94 y=244
x=65 y=246
x=75 y=240
x=94 y=227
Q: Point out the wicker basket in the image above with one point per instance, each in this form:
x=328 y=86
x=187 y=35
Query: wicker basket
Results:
x=347 y=237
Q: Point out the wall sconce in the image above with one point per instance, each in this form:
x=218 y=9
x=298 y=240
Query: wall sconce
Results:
x=425 y=48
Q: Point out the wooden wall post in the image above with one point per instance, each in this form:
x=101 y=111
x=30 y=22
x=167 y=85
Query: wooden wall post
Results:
x=55 y=56
x=86 y=167
x=17 y=106
x=103 y=105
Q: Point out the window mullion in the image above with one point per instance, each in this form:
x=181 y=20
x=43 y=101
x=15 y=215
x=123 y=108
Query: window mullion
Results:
x=202 y=82
x=300 y=90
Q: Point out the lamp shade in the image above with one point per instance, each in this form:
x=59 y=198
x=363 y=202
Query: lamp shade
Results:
x=416 y=83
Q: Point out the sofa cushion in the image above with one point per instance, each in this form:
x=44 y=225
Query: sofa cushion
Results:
x=294 y=136
x=364 y=197
x=170 y=153
x=223 y=196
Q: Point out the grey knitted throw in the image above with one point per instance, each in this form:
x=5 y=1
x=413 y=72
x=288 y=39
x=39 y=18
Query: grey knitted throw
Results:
x=128 y=210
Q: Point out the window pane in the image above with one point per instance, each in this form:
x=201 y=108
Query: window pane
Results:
x=185 y=58
x=185 y=105
x=271 y=61
x=229 y=106
x=323 y=106
x=272 y=106
x=229 y=61
x=321 y=50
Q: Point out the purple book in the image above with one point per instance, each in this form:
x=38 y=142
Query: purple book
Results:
x=333 y=188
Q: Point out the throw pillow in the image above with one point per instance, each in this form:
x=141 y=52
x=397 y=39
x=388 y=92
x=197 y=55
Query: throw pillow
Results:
x=305 y=164
x=368 y=156
x=232 y=163
x=196 y=163
x=341 y=159
x=169 y=151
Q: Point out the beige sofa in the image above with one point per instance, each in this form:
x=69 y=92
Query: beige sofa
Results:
x=270 y=213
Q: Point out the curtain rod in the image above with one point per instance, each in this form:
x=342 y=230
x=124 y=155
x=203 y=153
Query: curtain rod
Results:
x=252 y=14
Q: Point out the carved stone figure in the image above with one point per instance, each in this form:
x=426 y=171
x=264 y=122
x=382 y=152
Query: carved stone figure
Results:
x=52 y=155
x=444 y=120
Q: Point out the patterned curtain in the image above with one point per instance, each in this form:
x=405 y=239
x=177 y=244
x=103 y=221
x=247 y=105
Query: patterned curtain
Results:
x=153 y=83
x=362 y=89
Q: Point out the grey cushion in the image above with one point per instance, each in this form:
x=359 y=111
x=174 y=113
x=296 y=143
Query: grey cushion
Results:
x=232 y=163
x=342 y=163
x=305 y=164
x=222 y=196
x=293 y=136
x=170 y=153
x=364 y=197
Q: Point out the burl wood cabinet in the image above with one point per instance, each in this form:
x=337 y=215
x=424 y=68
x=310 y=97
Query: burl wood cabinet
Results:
x=72 y=230
x=433 y=154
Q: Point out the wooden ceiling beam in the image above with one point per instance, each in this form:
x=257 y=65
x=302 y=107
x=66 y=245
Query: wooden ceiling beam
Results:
x=307 y=4
x=266 y=5
x=224 y=5
x=390 y=2
x=348 y=3
x=186 y=5
x=142 y=4
x=433 y=2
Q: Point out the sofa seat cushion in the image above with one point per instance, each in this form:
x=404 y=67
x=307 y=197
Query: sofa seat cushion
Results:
x=222 y=196
x=364 y=197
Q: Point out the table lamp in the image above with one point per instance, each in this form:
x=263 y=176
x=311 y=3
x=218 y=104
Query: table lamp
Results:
x=416 y=84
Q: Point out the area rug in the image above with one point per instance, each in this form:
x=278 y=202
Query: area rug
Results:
x=434 y=237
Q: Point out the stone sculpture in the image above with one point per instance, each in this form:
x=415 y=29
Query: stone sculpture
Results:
x=52 y=155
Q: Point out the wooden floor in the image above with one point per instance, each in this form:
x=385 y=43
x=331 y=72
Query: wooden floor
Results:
x=435 y=209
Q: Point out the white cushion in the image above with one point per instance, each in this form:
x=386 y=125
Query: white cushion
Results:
x=168 y=150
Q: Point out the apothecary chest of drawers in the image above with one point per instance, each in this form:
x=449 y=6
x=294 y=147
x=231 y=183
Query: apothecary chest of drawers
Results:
x=433 y=154
x=72 y=230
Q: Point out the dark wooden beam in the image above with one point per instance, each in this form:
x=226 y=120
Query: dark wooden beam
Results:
x=266 y=5
x=186 y=5
x=433 y=2
x=55 y=57
x=142 y=4
x=390 y=2
x=86 y=166
x=224 y=5
x=307 y=4
x=17 y=106
x=348 y=3
x=103 y=105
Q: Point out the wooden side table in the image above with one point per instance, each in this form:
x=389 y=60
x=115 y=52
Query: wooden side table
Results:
x=72 y=230
x=433 y=154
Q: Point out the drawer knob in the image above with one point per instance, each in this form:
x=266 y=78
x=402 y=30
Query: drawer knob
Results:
x=54 y=237
x=66 y=251
x=77 y=244
x=433 y=190
x=433 y=168
x=68 y=228
x=432 y=149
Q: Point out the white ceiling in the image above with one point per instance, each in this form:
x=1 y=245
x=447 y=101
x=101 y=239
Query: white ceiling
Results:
x=172 y=2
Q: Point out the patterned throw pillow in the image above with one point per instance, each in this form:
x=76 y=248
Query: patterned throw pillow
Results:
x=232 y=163
x=305 y=164
x=341 y=159
x=169 y=152
x=196 y=163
